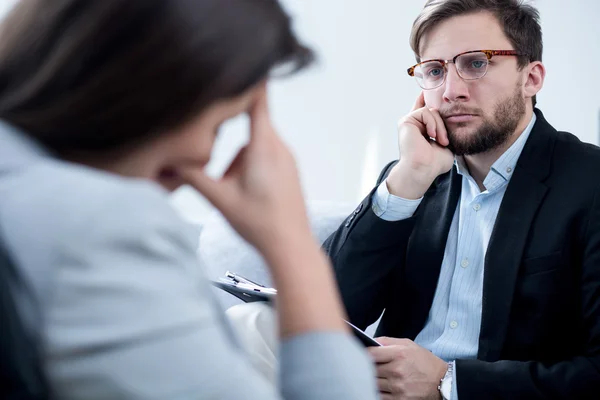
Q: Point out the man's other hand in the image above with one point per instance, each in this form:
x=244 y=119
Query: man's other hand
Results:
x=407 y=371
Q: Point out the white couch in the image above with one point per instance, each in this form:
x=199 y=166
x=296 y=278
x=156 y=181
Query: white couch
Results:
x=222 y=249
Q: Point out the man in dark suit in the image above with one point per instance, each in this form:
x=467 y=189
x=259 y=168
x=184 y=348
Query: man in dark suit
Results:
x=481 y=246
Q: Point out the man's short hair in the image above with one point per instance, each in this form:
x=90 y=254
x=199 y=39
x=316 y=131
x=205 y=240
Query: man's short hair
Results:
x=520 y=22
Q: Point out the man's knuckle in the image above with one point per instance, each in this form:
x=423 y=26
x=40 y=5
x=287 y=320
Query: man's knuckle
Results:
x=396 y=387
x=402 y=121
x=399 y=351
x=397 y=373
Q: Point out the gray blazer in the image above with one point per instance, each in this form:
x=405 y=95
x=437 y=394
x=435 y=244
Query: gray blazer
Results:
x=124 y=310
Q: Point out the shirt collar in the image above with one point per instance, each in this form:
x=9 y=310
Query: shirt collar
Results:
x=504 y=167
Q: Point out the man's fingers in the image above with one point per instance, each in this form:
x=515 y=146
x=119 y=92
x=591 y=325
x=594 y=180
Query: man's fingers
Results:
x=424 y=120
x=430 y=123
x=441 y=131
x=420 y=102
x=389 y=370
x=383 y=354
x=384 y=385
x=386 y=341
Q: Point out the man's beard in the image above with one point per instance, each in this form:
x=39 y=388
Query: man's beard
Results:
x=492 y=133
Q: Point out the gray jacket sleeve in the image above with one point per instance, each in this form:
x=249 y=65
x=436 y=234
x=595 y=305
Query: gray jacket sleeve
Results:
x=131 y=315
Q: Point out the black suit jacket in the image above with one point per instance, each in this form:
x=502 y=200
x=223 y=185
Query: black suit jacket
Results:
x=540 y=328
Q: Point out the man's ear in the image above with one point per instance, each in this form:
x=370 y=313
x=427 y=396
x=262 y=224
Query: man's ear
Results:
x=534 y=79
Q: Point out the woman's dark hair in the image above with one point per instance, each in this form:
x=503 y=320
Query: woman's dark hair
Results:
x=97 y=75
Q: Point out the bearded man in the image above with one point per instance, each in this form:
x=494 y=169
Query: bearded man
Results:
x=481 y=245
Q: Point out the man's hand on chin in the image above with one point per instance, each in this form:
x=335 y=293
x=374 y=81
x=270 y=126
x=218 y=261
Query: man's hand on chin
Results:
x=407 y=371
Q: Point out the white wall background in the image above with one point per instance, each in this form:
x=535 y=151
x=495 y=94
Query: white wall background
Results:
x=340 y=116
x=5 y=6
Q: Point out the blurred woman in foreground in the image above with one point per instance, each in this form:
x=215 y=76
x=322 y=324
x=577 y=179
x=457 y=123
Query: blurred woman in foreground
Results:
x=105 y=104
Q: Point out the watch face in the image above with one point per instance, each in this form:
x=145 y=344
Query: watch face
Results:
x=446 y=388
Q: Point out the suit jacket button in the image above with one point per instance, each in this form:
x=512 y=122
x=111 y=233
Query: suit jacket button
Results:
x=350 y=220
x=358 y=209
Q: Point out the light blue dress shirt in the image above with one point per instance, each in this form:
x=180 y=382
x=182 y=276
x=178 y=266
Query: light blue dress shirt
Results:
x=452 y=328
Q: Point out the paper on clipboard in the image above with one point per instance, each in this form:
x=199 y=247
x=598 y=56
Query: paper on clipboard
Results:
x=249 y=292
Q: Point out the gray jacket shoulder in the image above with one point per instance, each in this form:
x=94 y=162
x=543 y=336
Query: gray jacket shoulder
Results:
x=52 y=209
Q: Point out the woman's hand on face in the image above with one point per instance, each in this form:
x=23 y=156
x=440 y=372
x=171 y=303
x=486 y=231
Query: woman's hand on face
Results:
x=260 y=193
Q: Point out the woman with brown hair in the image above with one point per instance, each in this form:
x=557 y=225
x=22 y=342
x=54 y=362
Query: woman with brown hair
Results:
x=106 y=106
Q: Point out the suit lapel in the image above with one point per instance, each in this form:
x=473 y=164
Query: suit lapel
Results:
x=521 y=201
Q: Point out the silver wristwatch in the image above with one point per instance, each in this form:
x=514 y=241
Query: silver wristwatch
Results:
x=445 y=386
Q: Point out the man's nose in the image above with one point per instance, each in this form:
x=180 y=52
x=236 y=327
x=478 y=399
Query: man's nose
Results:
x=456 y=89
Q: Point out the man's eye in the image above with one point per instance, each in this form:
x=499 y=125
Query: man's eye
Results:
x=477 y=64
x=434 y=72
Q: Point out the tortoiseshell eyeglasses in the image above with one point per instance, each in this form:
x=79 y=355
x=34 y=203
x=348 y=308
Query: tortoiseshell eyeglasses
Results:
x=470 y=65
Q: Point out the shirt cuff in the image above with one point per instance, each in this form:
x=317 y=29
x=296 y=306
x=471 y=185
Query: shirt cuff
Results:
x=454 y=394
x=392 y=208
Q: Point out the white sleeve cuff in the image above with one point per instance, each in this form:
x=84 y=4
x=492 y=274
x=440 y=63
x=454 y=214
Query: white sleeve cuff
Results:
x=392 y=208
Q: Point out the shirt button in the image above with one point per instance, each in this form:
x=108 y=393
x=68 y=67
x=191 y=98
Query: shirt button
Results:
x=464 y=263
x=453 y=324
x=477 y=207
x=509 y=170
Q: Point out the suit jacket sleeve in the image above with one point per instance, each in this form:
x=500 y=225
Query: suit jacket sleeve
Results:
x=133 y=316
x=365 y=251
x=575 y=378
